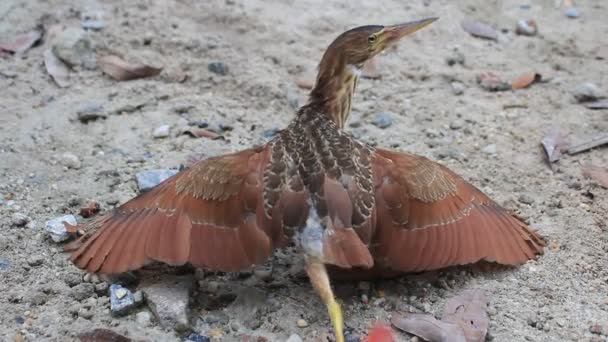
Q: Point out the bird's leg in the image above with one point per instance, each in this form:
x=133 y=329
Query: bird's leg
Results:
x=320 y=281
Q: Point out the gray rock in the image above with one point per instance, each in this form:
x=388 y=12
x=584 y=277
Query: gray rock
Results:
x=57 y=230
x=456 y=57
x=146 y=180
x=93 y=20
x=138 y=297
x=121 y=300
x=168 y=299
x=144 y=318
x=19 y=219
x=588 y=92
x=294 y=338
x=91 y=112
x=102 y=288
x=4 y=264
x=161 y=132
x=218 y=68
x=35 y=261
x=526 y=199
x=383 y=120
x=458 y=88
x=70 y=161
x=74 y=47
x=82 y=291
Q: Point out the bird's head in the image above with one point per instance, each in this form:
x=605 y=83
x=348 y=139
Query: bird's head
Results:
x=356 y=46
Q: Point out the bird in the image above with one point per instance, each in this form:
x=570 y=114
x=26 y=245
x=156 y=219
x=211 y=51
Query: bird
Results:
x=343 y=203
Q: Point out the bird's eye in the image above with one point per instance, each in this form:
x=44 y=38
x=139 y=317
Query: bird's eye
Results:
x=372 y=38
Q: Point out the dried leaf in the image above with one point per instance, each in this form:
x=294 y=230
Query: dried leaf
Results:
x=120 y=70
x=305 y=82
x=468 y=310
x=57 y=69
x=428 y=327
x=598 y=174
x=202 y=133
x=370 y=69
x=103 y=335
x=525 y=80
x=90 y=209
x=22 y=42
x=554 y=144
x=380 y=332
x=479 y=29
x=599 y=104
x=595 y=141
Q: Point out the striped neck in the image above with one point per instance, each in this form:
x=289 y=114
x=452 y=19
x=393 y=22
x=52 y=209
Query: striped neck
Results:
x=334 y=89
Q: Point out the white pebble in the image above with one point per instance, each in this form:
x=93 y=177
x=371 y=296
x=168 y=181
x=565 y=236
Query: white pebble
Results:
x=161 y=131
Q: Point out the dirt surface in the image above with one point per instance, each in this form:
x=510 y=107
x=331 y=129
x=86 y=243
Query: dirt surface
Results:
x=491 y=138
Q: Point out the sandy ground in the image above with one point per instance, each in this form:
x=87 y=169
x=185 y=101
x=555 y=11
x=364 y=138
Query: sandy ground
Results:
x=266 y=45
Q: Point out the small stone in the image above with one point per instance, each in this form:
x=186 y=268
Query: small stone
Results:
x=71 y=161
x=102 y=288
x=588 y=92
x=146 y=180
x=572 y=12
x=82 y=291
x=455 y=125
x=93 y=20
x=526 y=27
x=383 y=120
x=57 y=230
x=4 y=264
x=489 y=149
x=456 y=57
x=35 y=261
x=121 y=300
x=168 y=300
x=85 y=313
x=491 y=82
x=269 y=133
x=364 y=299
x=596 y=329
x=301 y=323
x=161 y=131
x=74 y=47
x=294 y=338
x=525 y=199
x=195 y=337
x=91 y=112
x=19 y=220
x=218 y=68
x=144 y=318
x=138 y=298
x=458 y=88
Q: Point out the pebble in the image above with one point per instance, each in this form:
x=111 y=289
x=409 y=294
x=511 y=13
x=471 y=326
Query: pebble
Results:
x=458 y=88
x=587 y=92
x=82 y=291
x=491 y=82
x=383 y=120
x=4 y=264
x=526 y=27
x=302 y=323
x=596 y=329
x=57 y=230
x=489 y=149
x=71 y=161
x=93 y=20
x=161 y=131
x=101 y=288
x=218 y=68
x=146 y=180
x=294 y=338
x=269 y=133
x=456 y=57
x=144 y=318
x=121 y=300
x=168 y=299
x=85 y=313
x=364 y=299
x=91 y=112
x=525 y=198
x=74 y=47
x=35 y=261
x=572 y=12
x=19 y=220
x=196 y=337
x=138 y=297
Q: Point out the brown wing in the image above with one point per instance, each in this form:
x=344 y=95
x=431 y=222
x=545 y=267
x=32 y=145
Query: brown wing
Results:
x=428 y=218
x=211 y=215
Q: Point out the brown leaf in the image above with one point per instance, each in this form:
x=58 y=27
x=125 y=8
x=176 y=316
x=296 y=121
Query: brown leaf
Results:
x=479 y=29
x=202 y=133
x=554 y=144
x=468 y=310
x=599 y=104
x=103 y=335
x=598 y=174
x=57 y=69
x=428 y=327
x=120 y=70
x=22 y=42
x=90 y=209
x=370 y=69
x=525 y=80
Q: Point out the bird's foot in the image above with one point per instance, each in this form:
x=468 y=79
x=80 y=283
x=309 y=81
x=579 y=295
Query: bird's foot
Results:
x=335 y=314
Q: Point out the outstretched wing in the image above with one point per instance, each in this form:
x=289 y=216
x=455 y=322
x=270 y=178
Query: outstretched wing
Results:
x=428 y=218
x=211 y=215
